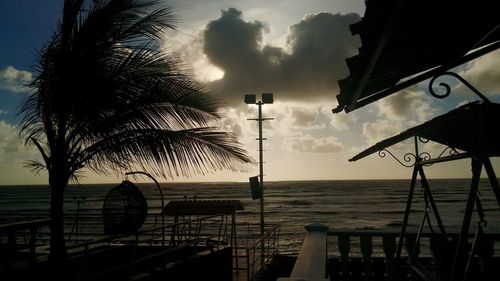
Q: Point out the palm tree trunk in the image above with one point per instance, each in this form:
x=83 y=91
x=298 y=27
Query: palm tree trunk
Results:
x=57 y=244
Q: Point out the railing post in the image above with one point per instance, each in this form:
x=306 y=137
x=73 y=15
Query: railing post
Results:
x=248 y=263
x=413 y=250
x=32 y=245
x=412 y=246
x=11 y=245
x=442 y=254
x=389 y=245
x=344 y=249
x=366 y=245
x=312 y=259
x=486 y=252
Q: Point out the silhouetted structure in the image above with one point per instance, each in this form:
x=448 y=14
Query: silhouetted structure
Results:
x=406 y=42
x=470 y=131
x=106 y=98
x=124 y=209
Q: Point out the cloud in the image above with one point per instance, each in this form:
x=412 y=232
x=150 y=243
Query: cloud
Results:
x=290 y=117
x=380 y=129
x=483 y=74
x=341 y=121
x=236 y=120
x=307 y=143
x=11 y=147
x=191 y=52
x=307 y=70
x=15 y=80
x=303 y=117
x=406 y=105
x=13 y=157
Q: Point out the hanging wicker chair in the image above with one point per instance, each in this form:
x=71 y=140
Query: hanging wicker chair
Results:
x=124 y=209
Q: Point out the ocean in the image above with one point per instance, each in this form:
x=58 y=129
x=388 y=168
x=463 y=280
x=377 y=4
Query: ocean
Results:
x=350 y=204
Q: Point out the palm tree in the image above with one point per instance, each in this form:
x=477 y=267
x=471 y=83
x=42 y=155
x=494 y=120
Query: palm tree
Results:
x=106 y=98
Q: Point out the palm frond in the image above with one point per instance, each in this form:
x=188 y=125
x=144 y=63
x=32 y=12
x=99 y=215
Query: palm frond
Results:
x=35 y=166
x=106 y=98
x=168 y=153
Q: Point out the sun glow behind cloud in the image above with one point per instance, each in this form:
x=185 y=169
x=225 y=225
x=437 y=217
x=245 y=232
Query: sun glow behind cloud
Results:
x=299 y=55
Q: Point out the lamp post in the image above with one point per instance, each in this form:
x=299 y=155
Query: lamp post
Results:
x=267 y=98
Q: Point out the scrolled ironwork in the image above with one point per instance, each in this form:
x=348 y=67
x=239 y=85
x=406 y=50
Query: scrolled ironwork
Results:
x=425 y=156
x=442 y=84
x=422 y=139
x=450 y=150
x=447 y=87
x=407 y=158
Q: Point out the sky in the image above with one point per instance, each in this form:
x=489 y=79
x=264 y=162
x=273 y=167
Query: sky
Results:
x=294 y=49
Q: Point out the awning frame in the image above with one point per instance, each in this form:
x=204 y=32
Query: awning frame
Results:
x=398 y=50
x=479 y=160
x=430 y=74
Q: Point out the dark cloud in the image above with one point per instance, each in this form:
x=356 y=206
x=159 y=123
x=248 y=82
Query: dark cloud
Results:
x=319 y=45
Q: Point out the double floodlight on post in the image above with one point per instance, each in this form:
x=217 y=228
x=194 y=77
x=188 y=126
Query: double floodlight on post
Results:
x=267 y=98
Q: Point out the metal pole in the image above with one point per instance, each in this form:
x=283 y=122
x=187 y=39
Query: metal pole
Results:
x=261 y=183
x=162 y=203
x=427 y=190
x=493 y=178
x=408 y=203
x=250 y=99
x=457 y=269
x=261 y=162
x=407 y=213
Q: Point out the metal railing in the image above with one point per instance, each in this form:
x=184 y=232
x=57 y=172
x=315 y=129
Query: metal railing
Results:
x=190 y=237
x=260 y=251
x=18 y=241
x=251 y=251
x=431 y=255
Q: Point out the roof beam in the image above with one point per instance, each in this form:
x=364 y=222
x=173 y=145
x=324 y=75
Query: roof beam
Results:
x=424 y=76
x=376 y=54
